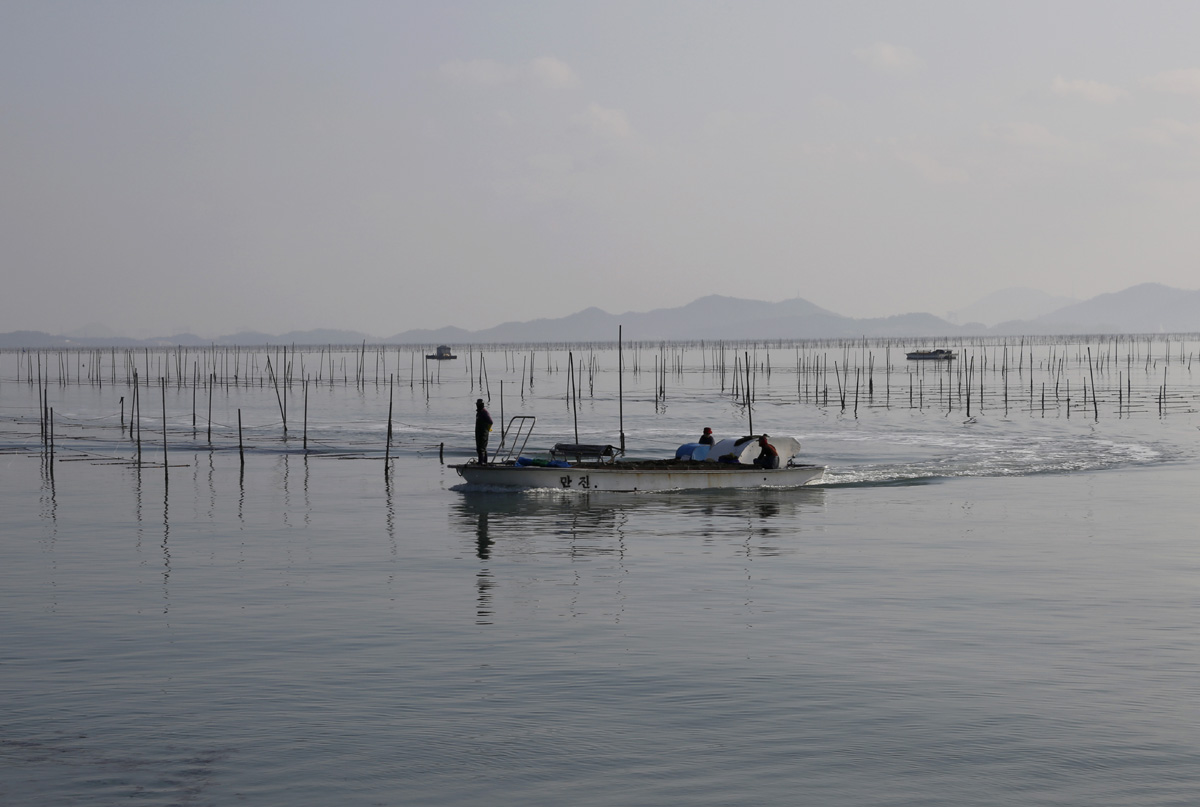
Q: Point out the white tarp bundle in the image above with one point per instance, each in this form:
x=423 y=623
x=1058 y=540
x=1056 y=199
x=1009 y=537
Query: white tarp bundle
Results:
x=745 y=449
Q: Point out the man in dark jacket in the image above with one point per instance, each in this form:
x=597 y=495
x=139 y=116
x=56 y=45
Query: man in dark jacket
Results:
x=768 y=456
x=483 y=426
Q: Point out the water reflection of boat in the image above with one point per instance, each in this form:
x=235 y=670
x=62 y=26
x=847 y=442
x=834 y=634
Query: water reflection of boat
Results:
x=940 y=354
x=550 y=507
x=491 y=514
x=727 y=465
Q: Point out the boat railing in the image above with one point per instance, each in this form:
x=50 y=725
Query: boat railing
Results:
x=586 y=451
x=518 y=431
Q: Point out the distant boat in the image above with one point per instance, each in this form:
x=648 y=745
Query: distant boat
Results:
x=443 y=353
x=932 y=355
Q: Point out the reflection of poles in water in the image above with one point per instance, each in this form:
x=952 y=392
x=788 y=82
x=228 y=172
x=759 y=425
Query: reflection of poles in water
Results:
x=48 y=448
x=166 y=547
x=483 y=542
x=483 y=579
x=389 y=519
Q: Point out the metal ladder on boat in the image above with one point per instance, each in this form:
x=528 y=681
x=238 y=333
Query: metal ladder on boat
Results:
x=509 y=439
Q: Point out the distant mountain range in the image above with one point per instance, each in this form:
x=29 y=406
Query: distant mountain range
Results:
x=1146 y=308
x=1008 y=305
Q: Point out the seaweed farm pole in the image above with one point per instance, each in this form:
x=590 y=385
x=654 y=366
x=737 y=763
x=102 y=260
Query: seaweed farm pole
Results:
x=1092 y=373
x=212 y=383
x=163 y=382
x=837 y=374
x=306 y=416
x=970 y=371
x=137 y=405
x=982 y=369
x=749 y=405
x=620 y=388
x=1004 y=375
x=387 y=453
x=857 y=374
x=278 y=397
x=570 y=392
x=241 y=450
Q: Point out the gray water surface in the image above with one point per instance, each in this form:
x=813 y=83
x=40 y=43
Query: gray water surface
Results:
x=972 y=611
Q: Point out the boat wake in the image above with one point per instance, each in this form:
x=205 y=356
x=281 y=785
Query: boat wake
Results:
x=928 y=458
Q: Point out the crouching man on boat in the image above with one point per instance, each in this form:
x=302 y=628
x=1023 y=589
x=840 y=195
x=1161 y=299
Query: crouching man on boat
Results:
x=483 y=426
x=768 y=457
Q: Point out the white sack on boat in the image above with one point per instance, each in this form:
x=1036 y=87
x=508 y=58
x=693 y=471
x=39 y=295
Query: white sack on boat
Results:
x=746 y=448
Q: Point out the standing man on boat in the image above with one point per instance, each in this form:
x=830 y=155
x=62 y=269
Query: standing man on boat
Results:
x=483 y=426
x=768 y=457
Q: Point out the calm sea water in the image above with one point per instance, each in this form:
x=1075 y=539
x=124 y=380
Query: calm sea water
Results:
x=989 y=608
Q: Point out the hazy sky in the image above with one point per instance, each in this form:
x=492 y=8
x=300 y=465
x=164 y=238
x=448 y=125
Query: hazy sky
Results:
x=381 y=166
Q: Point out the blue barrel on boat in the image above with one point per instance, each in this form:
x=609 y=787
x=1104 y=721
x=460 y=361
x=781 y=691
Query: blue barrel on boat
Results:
x=692 y=451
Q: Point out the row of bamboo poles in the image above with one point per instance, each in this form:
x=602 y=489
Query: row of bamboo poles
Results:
x=1119 y=375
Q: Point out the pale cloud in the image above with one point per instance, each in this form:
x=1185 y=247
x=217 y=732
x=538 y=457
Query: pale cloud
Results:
x=1168 y=132
x=1094 y=91
x=931 y=169
x=552 y=73
x=545 y=71
x=1176 y=82
x=604 y=122
x=1031 y=135
x=887 y=58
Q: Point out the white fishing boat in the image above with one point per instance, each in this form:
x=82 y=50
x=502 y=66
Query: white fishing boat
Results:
x=941 y=354
x=727 y=465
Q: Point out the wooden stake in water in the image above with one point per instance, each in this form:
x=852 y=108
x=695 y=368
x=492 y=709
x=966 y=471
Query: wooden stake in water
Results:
x=387 y=453
x=137 y=406
x=211 y=386
x=1092 y=373
x=570 y=392
x=620 y=389
x=241 y=449
x=163 y=382
x=749 y=407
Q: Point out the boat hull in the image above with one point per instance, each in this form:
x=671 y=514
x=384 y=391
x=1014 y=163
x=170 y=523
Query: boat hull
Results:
x=613 y=477
x=932 y=355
